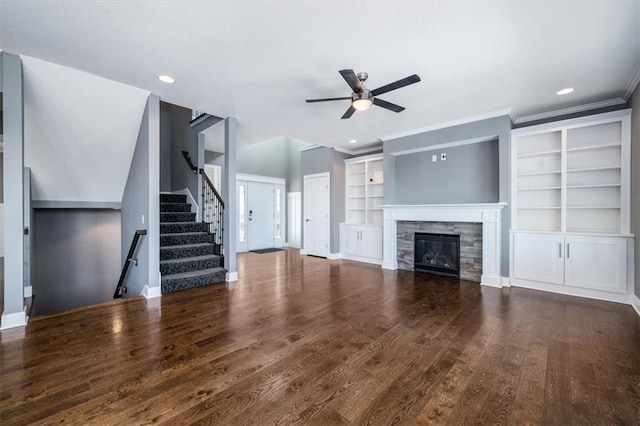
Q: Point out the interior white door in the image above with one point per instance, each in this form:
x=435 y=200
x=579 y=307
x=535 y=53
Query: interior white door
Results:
x=260 y=215
x=316 y=214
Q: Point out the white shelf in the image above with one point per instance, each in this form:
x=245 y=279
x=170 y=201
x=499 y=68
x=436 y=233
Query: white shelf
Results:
x=536 y=154
x=538 y=208
x=595 y=147
x=540 y=173
x=367 y=194
x=593 y=207
x=541 y=188
x=606 y=185
x=594 y=169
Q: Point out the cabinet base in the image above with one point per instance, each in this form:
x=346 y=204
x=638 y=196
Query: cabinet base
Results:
x=572 y=291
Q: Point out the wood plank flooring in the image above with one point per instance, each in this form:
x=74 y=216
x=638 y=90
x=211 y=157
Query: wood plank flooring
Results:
x=310 y=341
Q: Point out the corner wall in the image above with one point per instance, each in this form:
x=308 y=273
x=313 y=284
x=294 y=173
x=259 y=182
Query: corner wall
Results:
x=635 y=182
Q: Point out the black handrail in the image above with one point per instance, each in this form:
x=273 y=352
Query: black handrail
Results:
x=187 y=158
x=212 y=212
x=130 y=259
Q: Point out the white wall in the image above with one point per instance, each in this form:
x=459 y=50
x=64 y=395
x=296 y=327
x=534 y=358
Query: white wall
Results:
x=80 y=132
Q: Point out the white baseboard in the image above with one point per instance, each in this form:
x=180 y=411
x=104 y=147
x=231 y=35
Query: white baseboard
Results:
x=506 y=281
x=491 y=281
x=28 y=291
x=635 y=302
x=392 y=265
x=334 y=256
x=362 y=259
x=303 y=252
x=17 y=319
x=232 y=276
x=151 y=292
x=572 y=291
x=288 y=244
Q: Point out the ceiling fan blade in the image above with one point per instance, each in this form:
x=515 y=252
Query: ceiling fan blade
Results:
x=349 y=112
x=387 y=105
x=351 y=79
x=396 y=85
x=328 y=99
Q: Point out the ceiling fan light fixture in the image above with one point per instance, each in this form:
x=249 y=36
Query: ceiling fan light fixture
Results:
x=362 y=104
x=564 y=91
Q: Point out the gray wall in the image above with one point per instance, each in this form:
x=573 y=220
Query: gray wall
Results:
x=135 y=204
x=76 y=258
x=13 y=101
x=181 y=140
x=498 y=128
x=635 y=182
x=323 y=160
x=469 y=175
x=1 y=177
x=165 y=147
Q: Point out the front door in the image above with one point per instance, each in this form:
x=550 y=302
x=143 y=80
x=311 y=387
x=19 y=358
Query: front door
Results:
x=260 y=215
x=316 y=214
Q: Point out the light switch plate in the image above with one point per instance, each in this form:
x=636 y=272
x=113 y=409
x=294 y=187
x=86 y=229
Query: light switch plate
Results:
x=434 y=158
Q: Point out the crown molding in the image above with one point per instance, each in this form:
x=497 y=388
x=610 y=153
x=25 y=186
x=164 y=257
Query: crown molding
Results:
x=631 y=87
x=570 y=110
x=453 y=123
x=366 y=150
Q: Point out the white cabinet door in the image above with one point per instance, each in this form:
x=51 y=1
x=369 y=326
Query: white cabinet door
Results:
x=538 y=257
x=597 y=263
x=371 y=242
x=349 y=240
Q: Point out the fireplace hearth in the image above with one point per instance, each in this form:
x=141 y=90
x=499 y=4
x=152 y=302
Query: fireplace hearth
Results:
x=437 y=254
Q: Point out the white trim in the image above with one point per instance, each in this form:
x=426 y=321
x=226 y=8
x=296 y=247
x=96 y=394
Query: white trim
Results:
x=571 y=291
x=490 y=215
x=570 y=123
x=631 y=87
x=303 y=252
x=288 y=244
x=310 y=147
x=570 y=110
x=362 y=259
x=364 y=150
x=17 y=319
x=452 y=123
x=377 y=156
x=151 y=292
x=262 y=179
x=194 y=206
x=506 y=281
x=334 y=256
x=28 y=291
x=446 y=145
x=231 y=277
x=635 y=303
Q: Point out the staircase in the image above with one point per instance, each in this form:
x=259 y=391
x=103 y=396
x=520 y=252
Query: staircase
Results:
x=187 y=255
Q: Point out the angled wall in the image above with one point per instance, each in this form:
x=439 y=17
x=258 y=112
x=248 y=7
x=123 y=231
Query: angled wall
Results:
x=80 y=133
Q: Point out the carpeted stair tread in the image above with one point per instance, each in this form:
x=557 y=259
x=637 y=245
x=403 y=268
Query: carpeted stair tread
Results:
x=186 y=250
x=191 y=279
x=175 y=207
x=180 y=227
x=173 y=198
x=177 y=217
x=183 y=238
x=185 y=264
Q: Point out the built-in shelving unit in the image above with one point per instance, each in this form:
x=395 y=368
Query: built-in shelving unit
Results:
x=364 y=190
x=570 y=220
x=569 y=178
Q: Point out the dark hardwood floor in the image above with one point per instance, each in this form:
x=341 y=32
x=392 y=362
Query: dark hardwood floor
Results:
x=310 y=341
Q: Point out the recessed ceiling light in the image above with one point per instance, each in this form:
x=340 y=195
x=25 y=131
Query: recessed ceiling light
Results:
x=166 y=79
x=353 y=141
x=565 y=91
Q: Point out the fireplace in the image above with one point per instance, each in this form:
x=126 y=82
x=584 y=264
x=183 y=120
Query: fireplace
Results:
x=437 y=254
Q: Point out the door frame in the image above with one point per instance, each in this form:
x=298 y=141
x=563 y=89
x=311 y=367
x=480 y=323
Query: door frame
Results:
x=305 y=179
x=243 y=246
x=219 y=168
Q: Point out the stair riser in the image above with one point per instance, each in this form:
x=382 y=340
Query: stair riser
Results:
x=172 y=285
x=173 y=198
x=172 y=207
x=174 y=228
x=178 y=239
x=193 y=265
x=177 y=217
x=178 y=253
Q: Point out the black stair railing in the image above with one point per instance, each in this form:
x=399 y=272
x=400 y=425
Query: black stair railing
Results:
x=212 y=207
x=212 y=212
x=130 y=259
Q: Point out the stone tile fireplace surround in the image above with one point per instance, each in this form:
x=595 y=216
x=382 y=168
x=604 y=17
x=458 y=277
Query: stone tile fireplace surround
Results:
x=399 y=218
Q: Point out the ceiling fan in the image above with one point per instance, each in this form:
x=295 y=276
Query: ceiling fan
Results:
x=362 y=98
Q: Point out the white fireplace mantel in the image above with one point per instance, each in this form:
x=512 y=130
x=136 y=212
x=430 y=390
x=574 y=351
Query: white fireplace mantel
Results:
x=490 y=215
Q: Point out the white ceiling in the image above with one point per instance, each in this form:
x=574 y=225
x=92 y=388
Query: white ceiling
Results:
x=259 y=61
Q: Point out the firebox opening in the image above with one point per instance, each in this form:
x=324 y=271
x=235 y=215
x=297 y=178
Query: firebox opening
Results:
x=437 y=254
